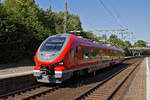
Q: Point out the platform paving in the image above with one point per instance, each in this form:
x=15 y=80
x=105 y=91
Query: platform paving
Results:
x=12 y=71
x=137 y=89
x=15 y=77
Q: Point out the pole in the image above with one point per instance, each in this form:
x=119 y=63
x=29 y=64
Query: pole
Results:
x=105 y=38
x=65 y=18
x=122 y=37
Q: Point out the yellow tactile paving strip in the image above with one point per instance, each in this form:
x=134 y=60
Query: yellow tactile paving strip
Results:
x=137 y=90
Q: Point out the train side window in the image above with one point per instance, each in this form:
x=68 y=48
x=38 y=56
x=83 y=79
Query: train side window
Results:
x=76 y=50
x=72 y=52
x=91 y=52
x=85 y=53
x=100 y=52
x=96 y=53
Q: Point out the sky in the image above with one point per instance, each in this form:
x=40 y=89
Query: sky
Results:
x=108 y=14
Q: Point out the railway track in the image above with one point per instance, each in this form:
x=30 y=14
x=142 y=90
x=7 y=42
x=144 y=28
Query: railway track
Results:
x=45 y=92
x=29 y=93
x=36 y=91
x=106 y=89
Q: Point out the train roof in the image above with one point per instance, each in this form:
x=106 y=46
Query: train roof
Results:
x=85 y=42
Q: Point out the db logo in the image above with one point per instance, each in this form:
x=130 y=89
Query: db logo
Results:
x=47 y=54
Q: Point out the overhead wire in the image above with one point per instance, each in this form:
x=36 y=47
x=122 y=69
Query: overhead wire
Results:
x=118 y=16
x=87 y=23
x=110 y=13
x=75 y=10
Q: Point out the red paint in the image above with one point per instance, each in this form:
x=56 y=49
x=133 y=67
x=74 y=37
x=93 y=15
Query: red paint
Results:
x=61 y=56
x=37 y=67
x=59 y=68
x=77 y=61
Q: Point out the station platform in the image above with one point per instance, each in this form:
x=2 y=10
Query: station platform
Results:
x=15 y=77
x=14 y=71
x=139 y=89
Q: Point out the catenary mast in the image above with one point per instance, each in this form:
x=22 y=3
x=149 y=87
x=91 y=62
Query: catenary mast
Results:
x=65 y=17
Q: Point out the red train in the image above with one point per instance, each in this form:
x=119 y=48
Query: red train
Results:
x=63 y=55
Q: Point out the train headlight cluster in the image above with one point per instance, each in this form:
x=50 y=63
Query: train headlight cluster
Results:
x=59 y=63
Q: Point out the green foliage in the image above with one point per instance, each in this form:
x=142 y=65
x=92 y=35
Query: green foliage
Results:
x=104 y=39
x=127 y=44
x=90 y=36
x=140 y=43
x=23 y=26
x=127 y=52
x=73 y=23
x=59 y=20
x=115 y=41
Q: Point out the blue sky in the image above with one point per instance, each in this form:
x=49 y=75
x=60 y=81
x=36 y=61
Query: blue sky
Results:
x=132 y=14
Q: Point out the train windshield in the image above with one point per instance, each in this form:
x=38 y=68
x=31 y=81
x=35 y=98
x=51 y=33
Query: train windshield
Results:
x=53 y=44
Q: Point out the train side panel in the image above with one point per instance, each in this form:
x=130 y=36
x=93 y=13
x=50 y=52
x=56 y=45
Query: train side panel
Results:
x=75 y=57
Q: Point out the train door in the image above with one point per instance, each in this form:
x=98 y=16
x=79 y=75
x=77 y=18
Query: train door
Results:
x=76 y=55
x=72 y=52
x=100 y=56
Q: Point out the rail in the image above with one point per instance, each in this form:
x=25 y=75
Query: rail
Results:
x=89 y=92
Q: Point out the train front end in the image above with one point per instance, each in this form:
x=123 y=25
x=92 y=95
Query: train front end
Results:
x=49 y=59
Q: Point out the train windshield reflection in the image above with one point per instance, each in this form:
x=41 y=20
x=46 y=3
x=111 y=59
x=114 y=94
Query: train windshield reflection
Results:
x=53 y=44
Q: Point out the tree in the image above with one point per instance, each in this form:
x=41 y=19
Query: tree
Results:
x=127 y=44
x=23 y=26
x=91 y=36
x=59 y=19
x=47 y=20
x=104 y=39
x=3 y=16
x=113 y=36
x=140 y=43
x=21 y=30
x=127 y=51
x=115 y=41
x=73 y=23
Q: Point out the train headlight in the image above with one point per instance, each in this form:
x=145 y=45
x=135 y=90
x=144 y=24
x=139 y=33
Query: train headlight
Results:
x=59 y=63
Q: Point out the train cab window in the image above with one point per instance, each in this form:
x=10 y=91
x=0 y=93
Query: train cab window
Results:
x=53 y=44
